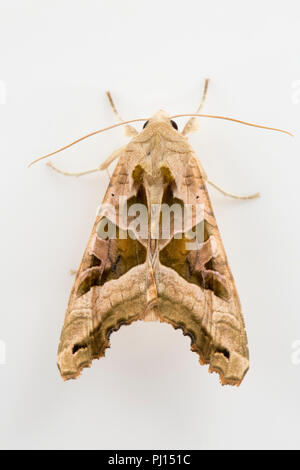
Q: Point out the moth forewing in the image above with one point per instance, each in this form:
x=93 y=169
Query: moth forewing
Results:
x=175 y=275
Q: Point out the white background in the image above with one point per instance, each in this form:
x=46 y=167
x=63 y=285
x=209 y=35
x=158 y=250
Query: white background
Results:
x=57 y=58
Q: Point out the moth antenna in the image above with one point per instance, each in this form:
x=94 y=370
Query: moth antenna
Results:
x=234 y=120
x=85 y=137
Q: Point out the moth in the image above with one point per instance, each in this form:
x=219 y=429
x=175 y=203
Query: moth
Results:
x=180 y=276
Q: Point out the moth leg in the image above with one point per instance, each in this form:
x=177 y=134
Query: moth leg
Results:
x=193 y=123
x=103 y=166
x=225 y=193
x=235 y=196
x=66 y=173
x=73 y=272
x=116 y=154
x=130 y=131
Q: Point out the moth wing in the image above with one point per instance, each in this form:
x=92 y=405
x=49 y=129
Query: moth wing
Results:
x=196 y=288
x=97 y=307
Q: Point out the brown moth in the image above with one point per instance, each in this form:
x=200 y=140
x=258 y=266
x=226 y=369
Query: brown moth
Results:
x=182 y=277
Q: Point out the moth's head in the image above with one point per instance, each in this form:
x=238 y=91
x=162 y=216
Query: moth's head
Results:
x=161 y=116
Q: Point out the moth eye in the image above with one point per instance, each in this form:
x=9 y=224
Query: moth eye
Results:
x=174 y=125
x=146 y=124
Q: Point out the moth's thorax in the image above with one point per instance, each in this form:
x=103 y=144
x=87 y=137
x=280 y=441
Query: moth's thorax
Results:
x=157 y=142
x=156 y=147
